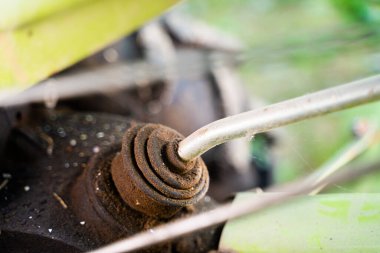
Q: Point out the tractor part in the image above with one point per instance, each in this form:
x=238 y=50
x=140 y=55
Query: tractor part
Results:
x=284 y=113
x=337 y=212
x=59 y=194
x=149 y=175
x=137 y=77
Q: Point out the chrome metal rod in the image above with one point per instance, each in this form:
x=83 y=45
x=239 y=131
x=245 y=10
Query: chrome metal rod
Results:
x=280 y=114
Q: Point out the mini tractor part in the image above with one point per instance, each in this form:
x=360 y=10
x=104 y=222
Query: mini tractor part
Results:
x=263 y=119
x=149 y=175
x=95 y=179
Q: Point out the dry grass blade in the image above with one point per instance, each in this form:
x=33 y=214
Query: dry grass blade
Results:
x=345 y=156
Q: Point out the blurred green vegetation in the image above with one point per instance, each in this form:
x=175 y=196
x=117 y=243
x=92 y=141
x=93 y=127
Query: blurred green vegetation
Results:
x=299 y=46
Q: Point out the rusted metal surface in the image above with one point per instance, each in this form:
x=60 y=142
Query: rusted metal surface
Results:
x=151 y=183
x=28 y=204
x=229 y=211
x=65 y=200
x=138 y=84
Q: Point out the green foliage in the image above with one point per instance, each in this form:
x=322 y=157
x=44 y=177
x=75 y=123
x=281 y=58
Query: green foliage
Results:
x=323 y=223
x=364 y=12
x=354 y=10
x=60 y=36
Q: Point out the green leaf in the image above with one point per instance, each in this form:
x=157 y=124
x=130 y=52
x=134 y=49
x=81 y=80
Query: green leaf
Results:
x=36 y=50
x=322 y=223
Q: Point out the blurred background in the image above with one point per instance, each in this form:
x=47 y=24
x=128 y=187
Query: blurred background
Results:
x=74 y=74
x=293 y=47
x=192 y=61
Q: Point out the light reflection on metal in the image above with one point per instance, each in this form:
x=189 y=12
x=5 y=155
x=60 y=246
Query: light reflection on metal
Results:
x=280 y=114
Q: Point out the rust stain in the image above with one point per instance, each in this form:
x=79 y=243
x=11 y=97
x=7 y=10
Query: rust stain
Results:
x=149 y=175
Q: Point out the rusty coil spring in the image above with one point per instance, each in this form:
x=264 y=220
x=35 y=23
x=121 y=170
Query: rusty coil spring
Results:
x=150 y=176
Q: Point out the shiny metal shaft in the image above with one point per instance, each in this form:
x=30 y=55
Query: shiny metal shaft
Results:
x=280 y=114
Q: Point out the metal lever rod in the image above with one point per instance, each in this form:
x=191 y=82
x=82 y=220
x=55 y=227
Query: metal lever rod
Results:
x=280 y=114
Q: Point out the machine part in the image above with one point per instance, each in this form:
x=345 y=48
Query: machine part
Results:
x=5 y=128
x=10 y=118
x=228 y=212
x=136 y=85
x=233 y=102
x=280 y=114
x=66 y=201
x=28 y=205
x=151 y=178
x=196 y=90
